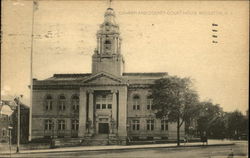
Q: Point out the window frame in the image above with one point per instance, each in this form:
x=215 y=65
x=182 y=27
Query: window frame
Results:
x=48 y=123
x=75 y=101
x=62 y=103
x=150 y=124
x=75 y=124
x=135 y=124
x=164 y=125
x=136 y=102
x=48 y=103
x=149 y=102
x=104 y=100
x=61 y=125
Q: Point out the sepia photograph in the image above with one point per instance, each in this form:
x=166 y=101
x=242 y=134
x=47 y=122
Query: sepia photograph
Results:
x=124 y=78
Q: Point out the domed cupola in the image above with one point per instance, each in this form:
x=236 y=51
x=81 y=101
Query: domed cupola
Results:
x=107 y=56
x=108 y=40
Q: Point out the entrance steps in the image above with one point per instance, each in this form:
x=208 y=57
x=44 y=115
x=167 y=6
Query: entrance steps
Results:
x=101 y=136
x=99 y=139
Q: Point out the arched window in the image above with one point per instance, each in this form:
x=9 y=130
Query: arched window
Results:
x=107 y=45
x=62 y=101
x=136 y=102
x=75 y=103
x=149 y=102
x=48 y=102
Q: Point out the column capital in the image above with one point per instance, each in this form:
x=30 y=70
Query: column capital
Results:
x=114 y=91
x=90 y=91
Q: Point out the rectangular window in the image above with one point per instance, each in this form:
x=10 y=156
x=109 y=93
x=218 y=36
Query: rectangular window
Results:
x=62 y=105
x=61 y=124
x=48 y=125
x=149 y=103
x=109 y=106
x=75 y=105
x=103 y=106
x=164 y=125
x=103 y=101
x=98 y=106
x=4 y=132
x=48 y=105
x=136 y=103
x=150 y=125
x=135 y=125
x=136 y=107
x=148 y=107
x=75 y=125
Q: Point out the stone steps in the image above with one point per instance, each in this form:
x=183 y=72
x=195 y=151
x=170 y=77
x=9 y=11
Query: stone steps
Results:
x=99 y=139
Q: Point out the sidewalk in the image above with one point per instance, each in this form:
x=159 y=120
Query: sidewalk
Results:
x=116 y=147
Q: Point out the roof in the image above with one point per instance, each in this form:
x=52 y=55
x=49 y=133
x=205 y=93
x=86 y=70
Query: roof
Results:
x=83 y=75
x=69 y=76
x=145 y=74
x=13 y=105
x=75 y=79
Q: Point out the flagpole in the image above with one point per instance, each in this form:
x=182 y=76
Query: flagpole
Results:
x=31 y=69
x=109 y=3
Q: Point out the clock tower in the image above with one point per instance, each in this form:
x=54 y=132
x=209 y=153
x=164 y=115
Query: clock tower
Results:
x=107 y=56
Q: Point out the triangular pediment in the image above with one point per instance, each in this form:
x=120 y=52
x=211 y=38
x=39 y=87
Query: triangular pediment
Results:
x=103 y=78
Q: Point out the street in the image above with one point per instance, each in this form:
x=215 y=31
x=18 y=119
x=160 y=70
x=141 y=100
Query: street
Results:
x=240 y=150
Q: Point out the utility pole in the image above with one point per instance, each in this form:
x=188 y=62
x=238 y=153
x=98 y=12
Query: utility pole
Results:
x=18 y=127
x=10 y=128
x=35 y=7
x=17 y=100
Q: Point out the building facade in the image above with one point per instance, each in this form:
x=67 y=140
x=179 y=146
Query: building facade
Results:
x=107 y=101
x=12 y=120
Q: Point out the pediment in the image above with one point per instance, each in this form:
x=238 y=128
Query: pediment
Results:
x=103 y=78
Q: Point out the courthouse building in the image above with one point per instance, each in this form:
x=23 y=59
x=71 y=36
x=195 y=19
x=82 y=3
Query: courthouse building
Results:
x=107 y=103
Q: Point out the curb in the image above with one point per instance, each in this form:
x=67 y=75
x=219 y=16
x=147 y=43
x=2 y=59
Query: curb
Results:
x=125 y=148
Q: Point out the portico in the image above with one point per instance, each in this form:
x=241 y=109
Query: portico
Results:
x=103 y=107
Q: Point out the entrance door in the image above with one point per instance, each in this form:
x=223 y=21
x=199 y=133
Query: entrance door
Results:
x=103 y=128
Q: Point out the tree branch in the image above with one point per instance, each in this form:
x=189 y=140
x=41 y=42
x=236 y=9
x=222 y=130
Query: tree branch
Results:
x=182 y=120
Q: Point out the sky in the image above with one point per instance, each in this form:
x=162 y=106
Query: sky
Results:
x=157 y=36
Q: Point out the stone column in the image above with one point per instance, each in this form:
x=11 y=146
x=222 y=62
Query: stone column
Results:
x=119 y=44
x=91 y=110
x=98 y=44
x=116 y=45
x=82 y=112
x=102 y=43
x=122 y=125
x=114 y=105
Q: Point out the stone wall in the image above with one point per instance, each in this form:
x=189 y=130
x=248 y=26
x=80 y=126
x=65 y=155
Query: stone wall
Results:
x=39 y=113
x=144 y=114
